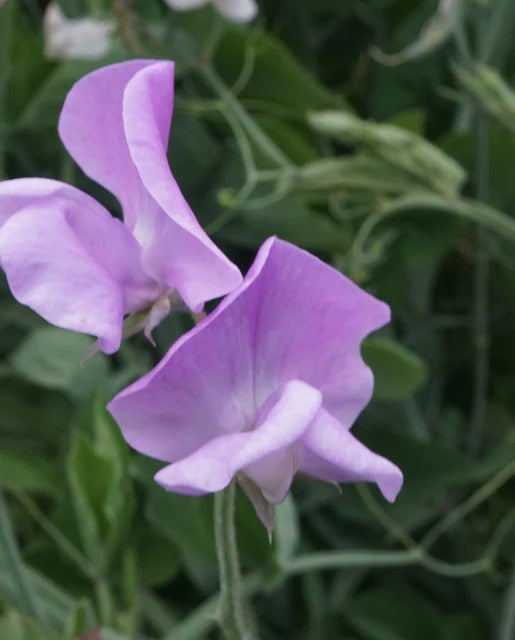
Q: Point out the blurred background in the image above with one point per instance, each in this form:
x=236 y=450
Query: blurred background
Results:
x=378 y=134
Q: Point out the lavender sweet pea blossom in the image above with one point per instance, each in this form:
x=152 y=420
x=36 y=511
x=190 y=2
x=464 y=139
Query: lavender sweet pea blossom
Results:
x=266 y=386
x=63 y=253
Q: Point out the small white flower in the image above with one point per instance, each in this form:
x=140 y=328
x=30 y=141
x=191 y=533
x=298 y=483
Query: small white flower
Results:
x=236 y=10
x=81 y=38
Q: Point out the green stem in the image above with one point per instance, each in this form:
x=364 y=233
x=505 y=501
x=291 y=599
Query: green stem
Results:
x=507 y=628
x=465 y=208
x=56 y=535
x=254 y=131
x=104 y=600
x=320 y=560
x=14 y=564
x=373 y=559
x=233 y=618
x=481 y=278
x=461 y=511
x=202 y=619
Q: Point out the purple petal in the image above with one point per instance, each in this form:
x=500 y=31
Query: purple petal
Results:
x=330 y=452
x=53 y=250
x=91 y=128
x=175 y=248
x=312 y=320
x=213 y=466
x=115 y=123
x=18 y=194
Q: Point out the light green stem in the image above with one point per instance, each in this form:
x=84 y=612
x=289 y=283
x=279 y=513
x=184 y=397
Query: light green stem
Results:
x=465 y=208
x=507 y=628
x=481 y=287
x=59 y=539
x=232 y=615
x=253 y=130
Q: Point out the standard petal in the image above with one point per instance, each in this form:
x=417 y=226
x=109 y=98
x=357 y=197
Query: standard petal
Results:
x=237 y=10
x=53 y=250
x=115 y=123
x=175 y=248
x=91 y=128
x=312 y=320
x=214 y=465
x=330 y=452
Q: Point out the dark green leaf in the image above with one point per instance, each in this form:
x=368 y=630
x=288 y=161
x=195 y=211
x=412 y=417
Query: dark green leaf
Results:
x=397 y=372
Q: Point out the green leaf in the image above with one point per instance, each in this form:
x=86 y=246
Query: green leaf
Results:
x=53 y=358
x=90 y=476
x=158 y=559
x=25 y=65
x=6 y=32
x=413 y=120
x=12 y=560
x=398 y=611
x=190 y=135
x=397 y=372
x=42 y=111
x=56 y=603
x=431 y=472
x=32 y=419
x=102 y=498
x=276 y=76
x=290 y=219
x=461 y=146
x=14 y=626
x=188 y=523
x=79 y=621
x=28 y=472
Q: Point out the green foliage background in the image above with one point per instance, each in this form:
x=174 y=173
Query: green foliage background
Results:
x=379 y=134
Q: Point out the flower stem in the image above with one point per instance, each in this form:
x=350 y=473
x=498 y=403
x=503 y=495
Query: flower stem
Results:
x=268 y=147
x=481 y=301
x=507 y=628
x=232 y=615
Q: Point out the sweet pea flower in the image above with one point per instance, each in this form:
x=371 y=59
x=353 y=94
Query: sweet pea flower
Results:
x=267 y=385
x=80 y=38
x=63 y=253
x=235 y=10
